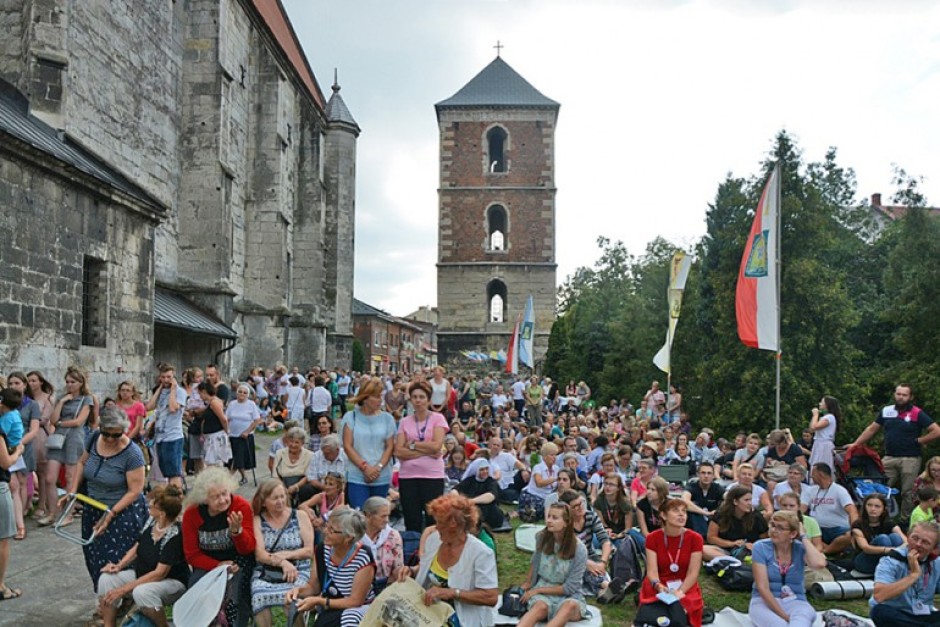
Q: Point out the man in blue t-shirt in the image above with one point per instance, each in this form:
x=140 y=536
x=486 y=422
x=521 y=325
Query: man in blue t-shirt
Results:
x=904 y=424
x=906 y=581
x=168 y=400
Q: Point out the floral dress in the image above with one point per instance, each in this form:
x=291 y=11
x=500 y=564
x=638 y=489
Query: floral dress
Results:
x=264 y=593
x=554 y=571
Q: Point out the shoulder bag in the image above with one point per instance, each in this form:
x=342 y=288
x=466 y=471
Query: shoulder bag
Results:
x=274 y=574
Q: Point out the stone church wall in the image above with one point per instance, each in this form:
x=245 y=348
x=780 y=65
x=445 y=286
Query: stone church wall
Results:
x=195 y=102
x=50 y=221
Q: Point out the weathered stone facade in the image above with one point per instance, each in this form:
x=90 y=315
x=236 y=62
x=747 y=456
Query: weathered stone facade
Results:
x=210 y=107
x=76 y=263
x=508 y=188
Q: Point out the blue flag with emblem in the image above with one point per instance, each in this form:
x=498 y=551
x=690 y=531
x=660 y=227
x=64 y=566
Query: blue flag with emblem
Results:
x=527 y=334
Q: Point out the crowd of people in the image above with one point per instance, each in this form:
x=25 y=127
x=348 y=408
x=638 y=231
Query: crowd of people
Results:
x=454 y=458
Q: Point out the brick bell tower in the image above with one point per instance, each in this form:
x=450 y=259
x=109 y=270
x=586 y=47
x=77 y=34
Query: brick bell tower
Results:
x=496 y=229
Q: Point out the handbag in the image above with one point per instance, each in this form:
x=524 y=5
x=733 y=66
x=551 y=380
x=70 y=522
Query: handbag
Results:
x=55 y=442
x=274 y=574
x=512 y=602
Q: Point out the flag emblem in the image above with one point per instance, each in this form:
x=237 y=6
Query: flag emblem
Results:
x=757 y=262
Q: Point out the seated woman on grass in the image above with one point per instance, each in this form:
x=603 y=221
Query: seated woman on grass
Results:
x=647 y=508
x=566 y=481
x=735 y=527
x=614 y=508
x=778 y=598
x=674 y=562
x=542 y=481
x=553 y=591
x=478 y=486
x=580 y=480
x=874 y=534
x=760 y=498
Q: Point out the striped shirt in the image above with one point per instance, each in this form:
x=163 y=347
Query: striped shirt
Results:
x=341 y=579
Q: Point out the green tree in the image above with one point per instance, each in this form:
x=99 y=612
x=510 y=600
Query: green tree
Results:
x=358 y=356
x=911 y=304
x=732 y=386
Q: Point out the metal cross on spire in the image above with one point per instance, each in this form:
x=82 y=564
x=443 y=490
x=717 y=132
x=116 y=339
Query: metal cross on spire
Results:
x=498 y=47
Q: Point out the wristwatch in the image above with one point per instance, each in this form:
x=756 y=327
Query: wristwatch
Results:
x=380 y=465
x=412 y=445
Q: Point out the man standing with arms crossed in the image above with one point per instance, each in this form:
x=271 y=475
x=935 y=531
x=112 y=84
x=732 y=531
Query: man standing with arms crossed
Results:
x=904 y=424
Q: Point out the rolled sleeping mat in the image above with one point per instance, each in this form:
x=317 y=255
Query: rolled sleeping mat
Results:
x=842 y=590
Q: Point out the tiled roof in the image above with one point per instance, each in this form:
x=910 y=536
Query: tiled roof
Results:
x=498 y=85
x=360 y=308
x=172 y=310
x=273 y=14
x=16 y=121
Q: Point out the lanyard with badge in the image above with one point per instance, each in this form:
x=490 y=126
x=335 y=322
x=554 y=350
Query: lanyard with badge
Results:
x=674 y=560
x=918 y=607
x=785 y=591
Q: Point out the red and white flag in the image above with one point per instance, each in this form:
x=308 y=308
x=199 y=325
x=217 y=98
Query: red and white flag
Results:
x=756 y=300
x=512 y=353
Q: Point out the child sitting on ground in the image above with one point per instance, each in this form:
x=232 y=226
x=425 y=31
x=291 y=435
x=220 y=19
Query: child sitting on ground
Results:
x=927 y=500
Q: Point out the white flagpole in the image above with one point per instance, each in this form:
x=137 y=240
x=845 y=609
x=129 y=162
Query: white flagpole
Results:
x=779 y=308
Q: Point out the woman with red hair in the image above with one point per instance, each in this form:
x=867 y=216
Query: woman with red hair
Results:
x=456 y=567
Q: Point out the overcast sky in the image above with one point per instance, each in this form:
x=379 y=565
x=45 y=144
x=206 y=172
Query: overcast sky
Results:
x=659 y=101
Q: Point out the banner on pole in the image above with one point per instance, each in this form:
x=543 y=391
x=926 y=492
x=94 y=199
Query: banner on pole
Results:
x=527 y=334
x=512 y=353
x=756 y=303
x=678 y=274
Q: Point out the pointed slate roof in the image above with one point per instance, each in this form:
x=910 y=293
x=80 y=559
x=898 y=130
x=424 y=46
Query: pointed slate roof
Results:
x=498 y=85
x=336 y=109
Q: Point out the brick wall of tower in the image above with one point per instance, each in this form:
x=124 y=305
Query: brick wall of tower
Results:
x=526 y=190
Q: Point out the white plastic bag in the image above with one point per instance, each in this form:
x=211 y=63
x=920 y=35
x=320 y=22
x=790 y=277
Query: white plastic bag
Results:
x=201 y=603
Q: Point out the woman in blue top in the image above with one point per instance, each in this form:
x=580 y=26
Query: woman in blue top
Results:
x=778 y=598
x=368 y=439
x=113 y=469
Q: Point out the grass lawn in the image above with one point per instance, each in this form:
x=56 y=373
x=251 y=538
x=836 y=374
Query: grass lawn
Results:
x=514 y=565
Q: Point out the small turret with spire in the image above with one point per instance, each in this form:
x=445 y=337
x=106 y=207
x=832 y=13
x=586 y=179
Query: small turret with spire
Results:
x=336 y=110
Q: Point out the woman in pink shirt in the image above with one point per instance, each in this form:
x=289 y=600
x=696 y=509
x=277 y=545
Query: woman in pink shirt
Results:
x=128 y=399
x=419 y=448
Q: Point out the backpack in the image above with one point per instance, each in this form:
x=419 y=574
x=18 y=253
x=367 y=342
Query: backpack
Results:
x=736 y=578
x=411 y=543
x=628 y=562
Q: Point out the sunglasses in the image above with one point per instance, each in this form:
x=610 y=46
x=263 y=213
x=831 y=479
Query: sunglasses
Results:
x=112 y=436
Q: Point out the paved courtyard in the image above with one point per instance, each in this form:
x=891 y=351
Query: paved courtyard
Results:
x=52 y=575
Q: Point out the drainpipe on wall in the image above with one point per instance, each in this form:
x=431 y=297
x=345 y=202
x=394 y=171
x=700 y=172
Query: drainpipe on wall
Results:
x=234 y=341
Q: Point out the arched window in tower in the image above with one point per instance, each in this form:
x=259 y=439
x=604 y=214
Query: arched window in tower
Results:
x=496 y=227
x=496 y=142
x=496 y=297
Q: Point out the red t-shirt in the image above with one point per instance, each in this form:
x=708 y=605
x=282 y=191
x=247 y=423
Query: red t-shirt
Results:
x=691 y=543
